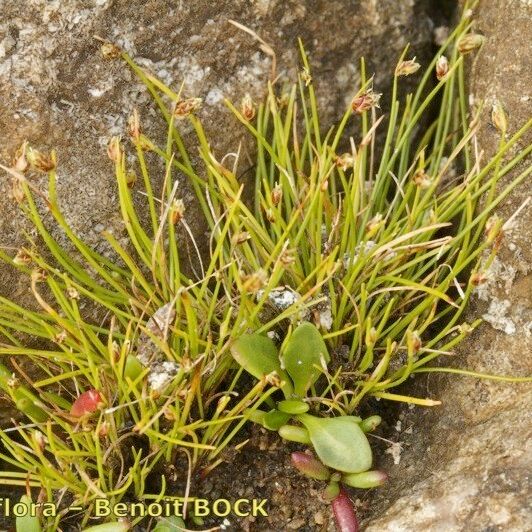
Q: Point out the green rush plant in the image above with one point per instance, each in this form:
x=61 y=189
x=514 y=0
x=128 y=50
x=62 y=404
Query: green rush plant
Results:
x=341 y=270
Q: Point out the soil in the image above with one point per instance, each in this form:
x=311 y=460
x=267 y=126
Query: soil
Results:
x=262 y=469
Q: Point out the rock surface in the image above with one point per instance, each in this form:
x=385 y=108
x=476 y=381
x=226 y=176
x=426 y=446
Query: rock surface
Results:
x=466 y=466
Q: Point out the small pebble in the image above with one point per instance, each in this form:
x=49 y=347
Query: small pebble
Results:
x=319 y=519
x=296 y=524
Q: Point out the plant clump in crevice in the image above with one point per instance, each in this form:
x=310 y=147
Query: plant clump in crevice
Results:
x=348 y=252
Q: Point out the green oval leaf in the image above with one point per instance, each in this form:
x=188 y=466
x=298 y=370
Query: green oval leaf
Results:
x=295 y=433
x=255 y=416
x=293 y=406
x=370 y=423
x=133 y=367
x=257 y=354
x=28 y=522
x=339 y=442
x=275 y=419
x=304 y=351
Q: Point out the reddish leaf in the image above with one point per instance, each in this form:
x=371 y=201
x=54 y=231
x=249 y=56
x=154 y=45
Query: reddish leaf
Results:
x=344 y=513
x=310 y=466
x=87 y=403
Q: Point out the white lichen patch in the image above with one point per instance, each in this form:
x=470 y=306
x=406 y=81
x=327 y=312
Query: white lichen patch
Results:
x=281 y=298
x=497 y=316
x=499 y=515
x=99 y=90
x=251 y=76
x=499 y=276
x=225 y=524
x=214 y=96
x=161 y=375
x=395 y=450
x=322 y=313
x=497 y=282
x=325 y=317
x=148 y=352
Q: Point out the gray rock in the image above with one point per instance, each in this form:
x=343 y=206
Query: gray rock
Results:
x=466 y=466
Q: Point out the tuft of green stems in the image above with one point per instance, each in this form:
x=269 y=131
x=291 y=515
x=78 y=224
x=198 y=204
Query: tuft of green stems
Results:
x=376 y=227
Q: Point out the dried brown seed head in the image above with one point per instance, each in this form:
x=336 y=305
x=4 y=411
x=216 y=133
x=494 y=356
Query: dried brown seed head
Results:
x=470 y=42
x=59 y=338
x=442 y=67
x=247 y=108
x=478 y=278
x=345 y=161
x=184 y=108
x=114 y=150
x=253 y=282
x=103 y=430
x=421 y=179
x=13 y=381
x=177 y=211
x=169 y=414
x=17 y=192
x=374 y=224
x=371 y=336
x=282 y=101
x=40 y=439
x=415 y=342
x=365 y=101
x=133 y=124
x=277 y=194
x=20 y=162
x=498 y=117
x=306 y=77
x=287 y=257
x=465 y=328
x=72 y=293
x=240 y=237
x=110 y=51
x=22 y=258
x=131 y=178
x=40 y=161
x=493 y=229
x=406 y=68
x=39 y=275
x=274 y=380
